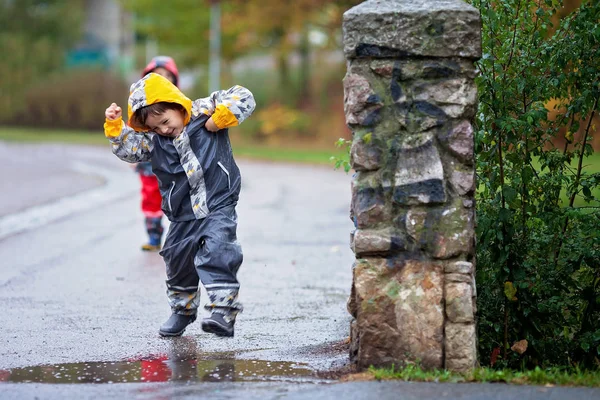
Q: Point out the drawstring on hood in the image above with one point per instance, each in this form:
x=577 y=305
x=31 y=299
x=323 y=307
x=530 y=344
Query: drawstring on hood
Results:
x=151 y=89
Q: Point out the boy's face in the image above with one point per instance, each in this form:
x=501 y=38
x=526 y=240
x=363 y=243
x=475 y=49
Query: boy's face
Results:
x=164 y=72
x=168 y=123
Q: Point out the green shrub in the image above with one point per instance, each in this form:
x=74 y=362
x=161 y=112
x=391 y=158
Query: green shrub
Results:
x=538 y=253
x=73 y=100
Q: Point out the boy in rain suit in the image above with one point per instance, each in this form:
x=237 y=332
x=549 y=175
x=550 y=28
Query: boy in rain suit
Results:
x=199 y=182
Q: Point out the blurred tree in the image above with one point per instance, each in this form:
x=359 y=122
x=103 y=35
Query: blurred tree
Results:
x=182 y=26
x=285 y=27
x=34 y=37
x=275 y=26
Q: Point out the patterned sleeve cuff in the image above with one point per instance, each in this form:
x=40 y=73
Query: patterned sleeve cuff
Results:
x=112 y=128
x=223 y=117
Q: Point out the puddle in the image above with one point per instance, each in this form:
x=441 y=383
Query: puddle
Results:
x=163 y=369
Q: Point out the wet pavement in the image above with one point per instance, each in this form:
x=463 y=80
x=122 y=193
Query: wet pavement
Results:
x=76 y=290
x=32 y=181
x=81 y=304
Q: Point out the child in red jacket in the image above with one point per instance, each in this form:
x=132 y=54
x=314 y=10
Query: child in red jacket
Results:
x=151 y=200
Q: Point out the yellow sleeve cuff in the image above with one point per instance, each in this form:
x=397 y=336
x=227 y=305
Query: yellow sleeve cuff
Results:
x=112 y=128
x=223 y=117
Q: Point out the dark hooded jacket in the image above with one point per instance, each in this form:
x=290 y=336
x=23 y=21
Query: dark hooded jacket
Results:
x=196 y=171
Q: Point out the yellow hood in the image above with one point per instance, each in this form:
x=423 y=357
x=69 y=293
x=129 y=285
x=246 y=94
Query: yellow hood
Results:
x=152 y=89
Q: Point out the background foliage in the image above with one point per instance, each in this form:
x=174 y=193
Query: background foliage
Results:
x=287 y=53
x=34 y=37
x=538 y=248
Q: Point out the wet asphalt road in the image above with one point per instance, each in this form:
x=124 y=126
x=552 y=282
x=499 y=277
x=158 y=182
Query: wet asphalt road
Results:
x=81 y=304
x=74 y=286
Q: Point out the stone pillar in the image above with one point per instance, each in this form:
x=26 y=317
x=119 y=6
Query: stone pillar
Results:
x=409 y=100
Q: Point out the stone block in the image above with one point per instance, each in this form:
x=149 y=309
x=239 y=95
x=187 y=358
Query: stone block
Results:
x=405 y=70
x=456 y=97
x=365 y=156
x=418 y=116
x=461 y=347
x=351 y=304
x=369 y=207
x=459 y=141
x=460 y=364
x=384 y=68
x=369 y=242
x=354 y=342
x=459 y=267
x=419 y=176
x=450 y=233
x=459 y=278
x=400 y=314
x=459 y=302
x=362 y=105
x=443 y=233
x=457 y=91
x=415 y=224
x=408 y=28
x=445 y=69
x=463 y=180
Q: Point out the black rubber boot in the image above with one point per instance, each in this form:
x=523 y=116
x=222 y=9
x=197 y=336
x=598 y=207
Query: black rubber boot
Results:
x=176 y=324
x=218 y=325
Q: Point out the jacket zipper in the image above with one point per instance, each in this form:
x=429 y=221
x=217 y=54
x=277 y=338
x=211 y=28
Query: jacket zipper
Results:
x=170 y=193
x=227 y=172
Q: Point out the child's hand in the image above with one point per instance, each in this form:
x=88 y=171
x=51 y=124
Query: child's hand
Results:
x=113 y=112
x=210 y=125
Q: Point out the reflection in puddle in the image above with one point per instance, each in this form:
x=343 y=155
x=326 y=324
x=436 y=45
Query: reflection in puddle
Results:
x=162 y=369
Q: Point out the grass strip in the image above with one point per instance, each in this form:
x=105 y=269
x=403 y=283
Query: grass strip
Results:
x=537 y=376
